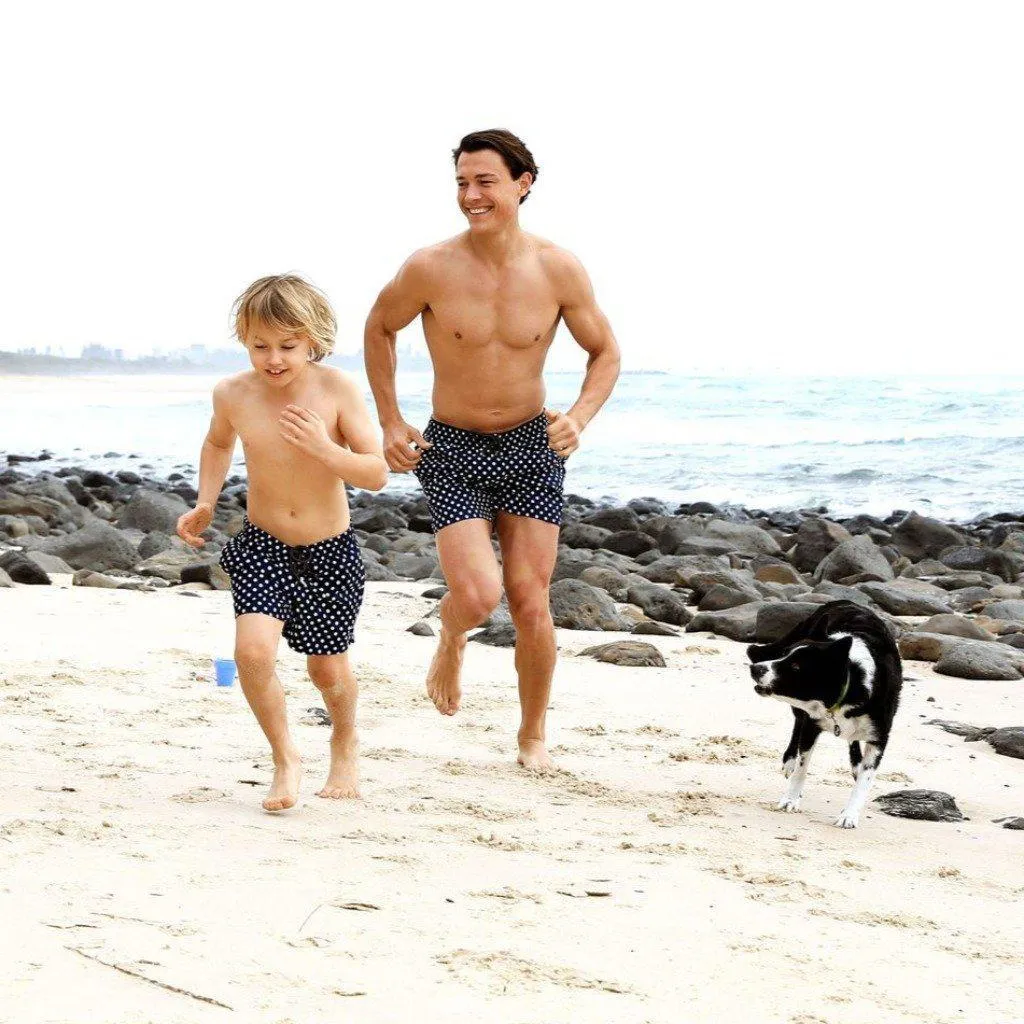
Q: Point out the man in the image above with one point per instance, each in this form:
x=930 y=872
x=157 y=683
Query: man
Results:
x=492 y=456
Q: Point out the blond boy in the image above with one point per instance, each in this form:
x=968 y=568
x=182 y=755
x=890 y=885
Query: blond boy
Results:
x=295 y=566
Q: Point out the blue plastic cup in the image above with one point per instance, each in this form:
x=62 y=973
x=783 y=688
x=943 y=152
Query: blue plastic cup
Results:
x=225 y=669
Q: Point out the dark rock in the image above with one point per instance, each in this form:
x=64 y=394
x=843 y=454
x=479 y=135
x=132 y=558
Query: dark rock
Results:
x=577 y=605
x=206 y=572
x=583 y=535
x=970 y=733
x=375 y=572
x=412 y=566
x=97 y=545
x=503 y=634
x=837 y=592
x=747 y=539
x=316 y=716
x=1014 y=823
x=648 y=627
x=778 y=573
x=734 y=623
x=920 y=804
x=734 y=579
x=854 y=557
x=969 y=599
x=998 y=563
x=21 y=569
x=631 y=653
x=864 y=523
x=955 y=625
x=153 y=543
x=659 y=604
x=679 y=568
x=88 y=578
x=126 y=476
x=5 y=581
x=421 y=629
x=435 y=593
x=611 y=581
x=647 y=506
x=697 y=508
x=703 y=546
x=570 y=564
x=815 y=539
x=1011 y=611
x=719 y=597
x=919 y=537
x=614 y=519
x=905 y=597
x=1015 y=640
x=1008 y=741
x=376 y=542
x=152 y=510
x=774 y=621
x=628 y=542
x=977 y=661
x=375 y=520
x=93 y=479
x=677 y=530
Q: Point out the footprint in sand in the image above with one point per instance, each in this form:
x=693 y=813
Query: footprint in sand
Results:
x=199 y=795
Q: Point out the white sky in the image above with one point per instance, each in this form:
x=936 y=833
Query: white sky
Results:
x=753 y=186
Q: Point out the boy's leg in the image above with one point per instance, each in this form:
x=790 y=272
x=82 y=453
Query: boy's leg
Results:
x=333 y=677
x=256 y=640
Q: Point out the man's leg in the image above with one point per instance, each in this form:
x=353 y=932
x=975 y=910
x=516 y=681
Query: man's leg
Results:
x=256 y=640
x=332 y=676
x=528 y=551
x=474 y=590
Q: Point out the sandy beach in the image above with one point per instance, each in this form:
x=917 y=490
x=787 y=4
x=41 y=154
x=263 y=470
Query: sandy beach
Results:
x=650 y=881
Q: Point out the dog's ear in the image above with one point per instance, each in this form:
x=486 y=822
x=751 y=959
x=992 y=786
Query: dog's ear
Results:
x=756 y=653
x=841 y=648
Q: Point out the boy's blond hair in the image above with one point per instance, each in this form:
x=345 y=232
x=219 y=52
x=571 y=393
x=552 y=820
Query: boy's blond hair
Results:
x=288 y=303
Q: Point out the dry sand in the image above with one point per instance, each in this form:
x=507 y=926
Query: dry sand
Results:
x=651 y=880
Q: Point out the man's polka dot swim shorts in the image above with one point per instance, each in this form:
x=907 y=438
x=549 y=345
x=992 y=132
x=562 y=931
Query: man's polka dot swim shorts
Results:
x=466 y=474
x=315 y=589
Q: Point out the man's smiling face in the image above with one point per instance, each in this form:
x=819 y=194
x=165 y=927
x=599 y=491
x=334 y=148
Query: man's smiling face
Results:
x=488 y=194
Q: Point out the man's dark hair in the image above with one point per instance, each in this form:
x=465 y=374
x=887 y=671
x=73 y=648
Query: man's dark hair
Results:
x=512 y=150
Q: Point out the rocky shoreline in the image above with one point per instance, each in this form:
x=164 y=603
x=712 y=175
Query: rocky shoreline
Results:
x=952 y=593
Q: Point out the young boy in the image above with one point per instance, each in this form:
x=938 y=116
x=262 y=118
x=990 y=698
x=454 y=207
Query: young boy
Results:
x=295 y=566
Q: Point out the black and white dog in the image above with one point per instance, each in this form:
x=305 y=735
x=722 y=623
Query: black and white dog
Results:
x=840 y=671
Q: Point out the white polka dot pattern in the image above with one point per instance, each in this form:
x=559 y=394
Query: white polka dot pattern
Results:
x=315 y=589
x=467 y=474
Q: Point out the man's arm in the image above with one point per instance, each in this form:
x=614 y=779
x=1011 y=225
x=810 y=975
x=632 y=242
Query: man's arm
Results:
x=214 y=463
x=362 y=462
x=592 y=332
x=396 y=307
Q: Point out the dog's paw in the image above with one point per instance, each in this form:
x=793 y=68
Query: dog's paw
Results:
x=848 y=819
x=789 y=804
x=788 y=767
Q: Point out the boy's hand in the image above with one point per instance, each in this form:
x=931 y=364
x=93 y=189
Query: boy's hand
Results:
x=563 y=433
x=304 y=429
x=191 y=524
x=398 y=451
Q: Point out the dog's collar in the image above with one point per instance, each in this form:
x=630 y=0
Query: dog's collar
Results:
x=839 y=703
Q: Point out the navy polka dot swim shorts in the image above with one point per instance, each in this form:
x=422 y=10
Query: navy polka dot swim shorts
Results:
x=466 y=474
x=315 y=589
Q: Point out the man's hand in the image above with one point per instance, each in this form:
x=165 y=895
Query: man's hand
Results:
x=304 y=429
x=191 y=524
x=563 y=433
x=398 y=451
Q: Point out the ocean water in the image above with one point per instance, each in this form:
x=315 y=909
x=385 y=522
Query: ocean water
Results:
x=950 y=447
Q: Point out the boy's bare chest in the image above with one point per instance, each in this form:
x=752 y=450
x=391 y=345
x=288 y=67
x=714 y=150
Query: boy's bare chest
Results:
x=259 y=429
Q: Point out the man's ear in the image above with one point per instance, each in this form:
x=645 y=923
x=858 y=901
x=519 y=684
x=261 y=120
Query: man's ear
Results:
x=525 y=183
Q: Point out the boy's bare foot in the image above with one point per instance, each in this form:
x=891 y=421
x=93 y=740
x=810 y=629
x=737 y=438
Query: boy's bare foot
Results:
x=443 y=676
x=534 y=756
x=284 y=790
x=343 y=778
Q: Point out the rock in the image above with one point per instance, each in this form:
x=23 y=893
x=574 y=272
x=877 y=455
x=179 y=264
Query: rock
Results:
x=902 y=598
x=88 y=578
x=630 y=653
x=676 y=530
x=679 y=568
x=583 y=535
x=659 y=604
x=920 y=804
x=435 y=593
x=919 y=537
x=13 y=526
x=413 y=567
x=1014 y=823
x=629 y=542
x=611 y=581
x=377 y=573
x=577 y=605
x=152 y=510
x=97 y=545
x=719 y=597
x=774 y=621
x=854 y=557
x=153 y=543
x=647 y=506
x=648 y=627
x=977 y=661
x=745 y=538
x=421 y=629
x=1012 y=611
x=815 y=539
x=1015 y=640
x=20 y=569
x=734 y=623
x=969 y=599
x=167 y=565
x=1008 y=741
x=502 y=634
x=970 y=733
x=206 y=572
x=837 y=592
x=955 y=625
x=614 y=519
x=375 y=520
x=1001 y=627
x=998 y=563
x=703 y=546
x=50 y=563
x=570 y=564
x=778 y=573
x=5 y=581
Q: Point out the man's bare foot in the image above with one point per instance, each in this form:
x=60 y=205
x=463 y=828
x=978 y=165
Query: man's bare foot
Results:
x=284 y=790
x=343 y=778
x=443 y=676
x=534 y=756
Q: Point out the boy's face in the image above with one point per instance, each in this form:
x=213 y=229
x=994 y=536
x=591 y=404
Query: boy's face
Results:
x=488 y=195
x=277 y=355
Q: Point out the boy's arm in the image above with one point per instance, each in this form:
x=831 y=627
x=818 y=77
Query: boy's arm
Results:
x=396 y=307
x=362 y=462
x=214 y=463
x=592 y=332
